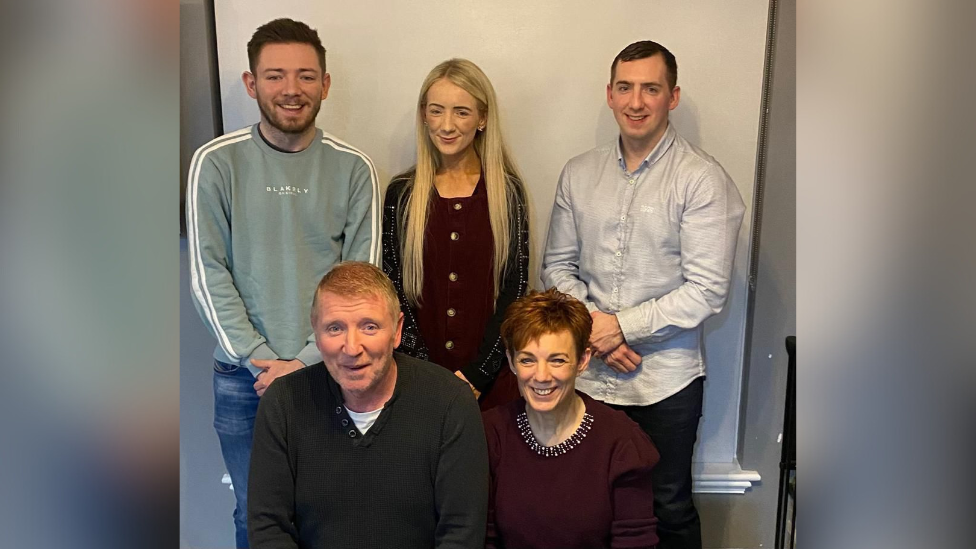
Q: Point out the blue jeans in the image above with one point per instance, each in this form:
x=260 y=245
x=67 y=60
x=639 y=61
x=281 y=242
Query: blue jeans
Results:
x=672 y=425
x=235 y=405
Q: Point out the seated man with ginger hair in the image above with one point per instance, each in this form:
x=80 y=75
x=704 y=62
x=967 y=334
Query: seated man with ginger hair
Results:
x=369 y=448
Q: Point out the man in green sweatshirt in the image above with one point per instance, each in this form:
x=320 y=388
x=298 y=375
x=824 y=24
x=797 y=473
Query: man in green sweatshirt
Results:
x=270 y=209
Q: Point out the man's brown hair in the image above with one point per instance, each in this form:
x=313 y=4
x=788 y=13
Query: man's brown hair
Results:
x=643 y=50
x=283 y=31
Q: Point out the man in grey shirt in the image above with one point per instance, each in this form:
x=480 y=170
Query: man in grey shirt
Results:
x=269 y=210
x=643 y=231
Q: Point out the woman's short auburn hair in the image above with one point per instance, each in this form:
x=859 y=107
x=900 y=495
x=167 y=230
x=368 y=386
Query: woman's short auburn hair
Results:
x=539 y=313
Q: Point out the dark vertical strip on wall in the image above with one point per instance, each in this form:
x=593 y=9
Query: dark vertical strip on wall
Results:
x=762 y=148
x=757 y=205
x=218 y=109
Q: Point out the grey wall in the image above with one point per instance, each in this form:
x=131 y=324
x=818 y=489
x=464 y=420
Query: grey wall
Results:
x=205 y=504
x=196 y=96
x=748 y=521
x=552 y=100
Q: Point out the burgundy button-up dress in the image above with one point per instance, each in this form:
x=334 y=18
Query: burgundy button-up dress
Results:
x=457 y=297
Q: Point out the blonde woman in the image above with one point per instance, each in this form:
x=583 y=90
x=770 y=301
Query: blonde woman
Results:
x=455 y=232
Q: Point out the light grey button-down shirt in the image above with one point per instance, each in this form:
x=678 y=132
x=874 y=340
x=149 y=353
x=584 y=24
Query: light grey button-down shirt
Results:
x=654 y=247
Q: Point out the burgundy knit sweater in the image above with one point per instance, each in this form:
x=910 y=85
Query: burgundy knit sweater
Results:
x=596 y=495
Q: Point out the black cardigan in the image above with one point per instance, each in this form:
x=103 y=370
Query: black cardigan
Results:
x=491 y=353
x=418 y=478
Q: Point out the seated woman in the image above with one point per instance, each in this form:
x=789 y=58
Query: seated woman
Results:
x=566 y=471
x=455 y=232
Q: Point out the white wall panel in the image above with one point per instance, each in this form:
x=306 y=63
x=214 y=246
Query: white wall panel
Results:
x=549 y=62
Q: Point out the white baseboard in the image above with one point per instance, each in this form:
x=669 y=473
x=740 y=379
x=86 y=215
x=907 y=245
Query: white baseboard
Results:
x=721 y=478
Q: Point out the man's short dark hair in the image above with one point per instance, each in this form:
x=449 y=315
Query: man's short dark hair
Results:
x=643 y=50
x=283 y=31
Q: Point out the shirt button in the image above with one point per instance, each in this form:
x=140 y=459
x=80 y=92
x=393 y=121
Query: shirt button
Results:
x=452 y=277
x=457 y=205
x=449 y=345
x=451 y=312
x=623 y=218
x=338 y=409
x=345 y=422
x=619 y=254
x=352 y=433
x=631 y=182
x=454 y=236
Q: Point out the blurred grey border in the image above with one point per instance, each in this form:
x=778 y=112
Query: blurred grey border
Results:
x=88 y=274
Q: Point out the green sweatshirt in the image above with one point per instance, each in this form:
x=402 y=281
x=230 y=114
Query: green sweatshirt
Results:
x=263 y=227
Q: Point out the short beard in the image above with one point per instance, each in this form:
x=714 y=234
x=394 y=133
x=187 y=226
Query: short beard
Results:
x=271 y=120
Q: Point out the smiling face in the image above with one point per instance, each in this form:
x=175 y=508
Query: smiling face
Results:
x=546 y=370
x=289 y=86
x=453 y=118
x=356 y=336
x=641 y=99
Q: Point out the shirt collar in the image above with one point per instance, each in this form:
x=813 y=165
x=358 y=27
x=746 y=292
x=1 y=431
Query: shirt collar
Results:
x=656 y=153
x=272 y=145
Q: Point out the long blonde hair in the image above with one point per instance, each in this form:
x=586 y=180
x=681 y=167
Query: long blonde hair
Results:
x=500 y=171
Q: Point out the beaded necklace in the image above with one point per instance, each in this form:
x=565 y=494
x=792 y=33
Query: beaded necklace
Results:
x=558 y=449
